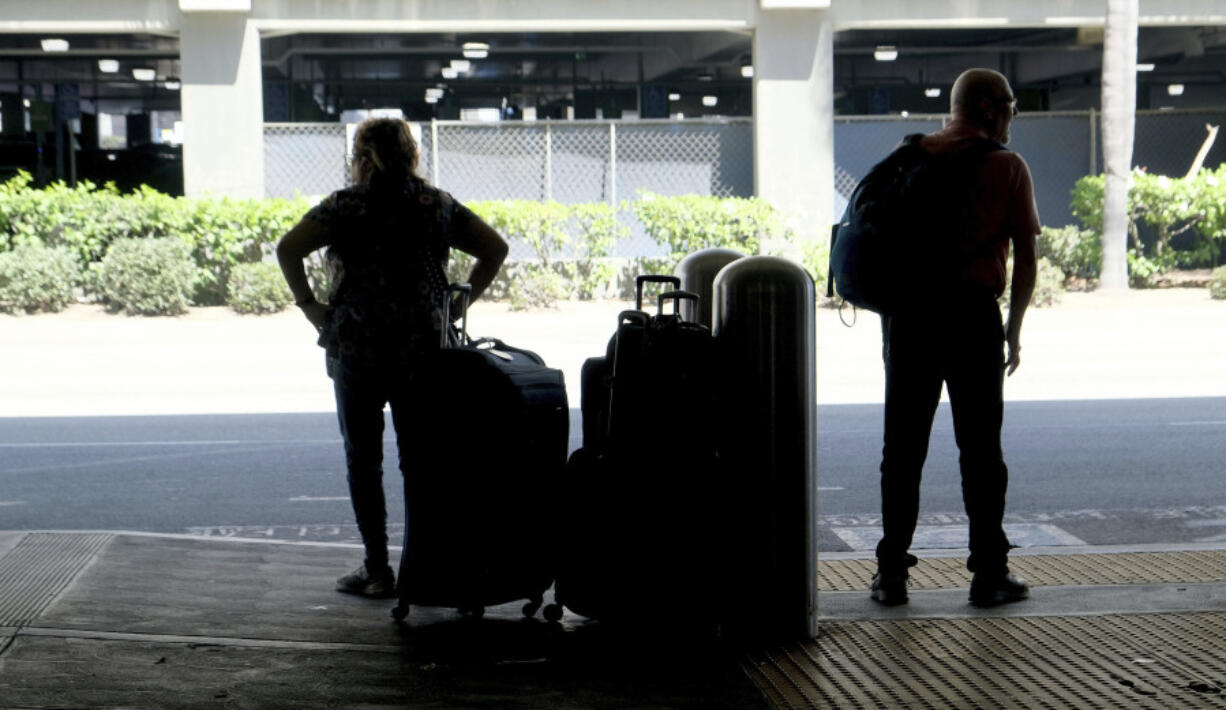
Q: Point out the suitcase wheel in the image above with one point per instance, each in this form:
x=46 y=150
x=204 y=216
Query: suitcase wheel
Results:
x=472 y=612
x=400 y=612
x=532 y=606
x=553 y=613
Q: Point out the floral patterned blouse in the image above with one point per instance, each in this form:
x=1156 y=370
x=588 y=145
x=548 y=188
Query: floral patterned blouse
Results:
x=387 y=255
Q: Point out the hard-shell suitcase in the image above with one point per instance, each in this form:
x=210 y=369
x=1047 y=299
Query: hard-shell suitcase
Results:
x=480 y=507
x=639 y=496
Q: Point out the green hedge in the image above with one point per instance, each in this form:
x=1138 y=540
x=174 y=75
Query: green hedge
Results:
x=88 y=219
x=571 y=244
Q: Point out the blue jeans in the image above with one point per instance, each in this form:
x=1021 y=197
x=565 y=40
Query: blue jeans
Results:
x=962 y=348
x=360 y=398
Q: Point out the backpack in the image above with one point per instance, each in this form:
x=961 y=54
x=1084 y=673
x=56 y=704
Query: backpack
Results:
x=904 y=227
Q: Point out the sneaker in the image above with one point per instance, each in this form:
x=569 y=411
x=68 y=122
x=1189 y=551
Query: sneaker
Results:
x=998 y=588
x=381 y=585
x=889 y=588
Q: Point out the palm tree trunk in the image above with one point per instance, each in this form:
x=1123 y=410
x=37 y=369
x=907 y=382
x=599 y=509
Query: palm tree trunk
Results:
x=1119 y=120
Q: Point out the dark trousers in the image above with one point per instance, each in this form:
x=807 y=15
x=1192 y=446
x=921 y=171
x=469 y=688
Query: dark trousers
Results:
x=360 y=398
x=963 y=348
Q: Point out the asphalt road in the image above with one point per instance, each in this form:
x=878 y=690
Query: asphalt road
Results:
x=1098 y=472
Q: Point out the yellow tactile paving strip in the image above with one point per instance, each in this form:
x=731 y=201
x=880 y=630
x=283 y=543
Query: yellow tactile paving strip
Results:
x=1086 y=663
x=1042 y=570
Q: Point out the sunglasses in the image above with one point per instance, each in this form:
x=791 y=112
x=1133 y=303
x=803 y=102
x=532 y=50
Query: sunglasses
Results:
x=1012 y=101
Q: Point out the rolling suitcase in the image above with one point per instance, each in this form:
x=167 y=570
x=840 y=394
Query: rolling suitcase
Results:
x=480 y=508
x=639 y=496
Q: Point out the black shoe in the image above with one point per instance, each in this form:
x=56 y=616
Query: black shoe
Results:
x=998 y=588
x=889 y=588
x=380 y=585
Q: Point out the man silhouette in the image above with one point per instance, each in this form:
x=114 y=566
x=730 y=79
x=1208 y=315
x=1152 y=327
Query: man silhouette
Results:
x=959 y=341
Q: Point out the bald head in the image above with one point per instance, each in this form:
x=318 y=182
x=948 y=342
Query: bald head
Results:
x=972 y=87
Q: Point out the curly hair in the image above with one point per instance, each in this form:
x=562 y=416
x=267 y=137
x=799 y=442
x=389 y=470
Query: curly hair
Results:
x=390 y=147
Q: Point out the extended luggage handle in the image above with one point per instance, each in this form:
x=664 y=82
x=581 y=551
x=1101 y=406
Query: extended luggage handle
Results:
x=652 y=278
x=676 y=297
x=638 y=318
x=466 y=291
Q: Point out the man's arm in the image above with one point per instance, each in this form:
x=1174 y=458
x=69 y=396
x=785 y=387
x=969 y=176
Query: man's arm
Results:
x=1025 y=269
x=1025 y=228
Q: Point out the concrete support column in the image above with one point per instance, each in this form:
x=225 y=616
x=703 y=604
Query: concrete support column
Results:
x=793 y=94
x=223 y=105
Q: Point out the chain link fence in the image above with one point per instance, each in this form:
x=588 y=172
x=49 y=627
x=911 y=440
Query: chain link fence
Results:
x=1060 y=146
x=612 y=161
x=571 y=162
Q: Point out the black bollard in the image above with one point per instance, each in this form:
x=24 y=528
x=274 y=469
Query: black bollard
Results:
x=697 y=273
x=764 y=325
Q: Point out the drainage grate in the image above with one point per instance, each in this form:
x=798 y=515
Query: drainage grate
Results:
x=1107 y=662
x=38 y=568
x=1042 y=570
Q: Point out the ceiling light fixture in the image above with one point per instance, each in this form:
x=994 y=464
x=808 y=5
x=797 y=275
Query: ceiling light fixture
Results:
x=1145 y=67
x=172 y=84
x=55 y=45
x=1174 y=89
x=435 y=93
x=144 y=74
x=885 y=53
x=747 y=71
x=674 y=96
x=461 y=65
x=450 y=73
x=430 y=99
x=475 y=50
x=108 y=66
x=932 y=93
x=710 y=100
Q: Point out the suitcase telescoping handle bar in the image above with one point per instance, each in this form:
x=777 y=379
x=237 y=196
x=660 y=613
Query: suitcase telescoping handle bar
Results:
x=652 y=278
x=676 y=297
x=466 y=291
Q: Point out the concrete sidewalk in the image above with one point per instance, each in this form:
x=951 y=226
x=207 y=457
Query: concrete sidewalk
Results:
x=138 y=621
x=106 y=620
x=84 y=362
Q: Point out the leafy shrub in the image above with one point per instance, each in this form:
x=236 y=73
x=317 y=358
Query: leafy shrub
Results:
x=35 y=278
x=1076 y=252
x=598 y=231
x=1172 y=222
x=258 y=288
x=815 y=257
x=88 y=219
x=146 y=277
x=1048 y=284
x=223 y=233
x=1217 y=284
x=542 y=226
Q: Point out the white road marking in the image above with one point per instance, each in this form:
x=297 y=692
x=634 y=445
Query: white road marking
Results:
x=1212 y=523
x=11 y=502
x=831 y=488
x=305 y=499
x=946 y=537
